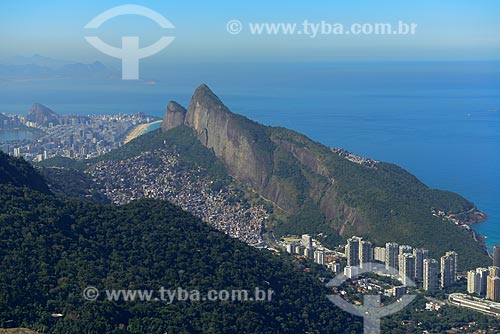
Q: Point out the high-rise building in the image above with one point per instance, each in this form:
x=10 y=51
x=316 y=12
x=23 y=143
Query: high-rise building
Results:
x=319 y=256
x=477 y=281
x=482 y=275
x=352 y=251
x=399 y=291
x=17 y=152
x=494 y=271
x=351 y=272
x=405 y=249
x=493 y=284
x=299 y=249
x=379 y=254
x=365 y=252
x=431 y=270
x=420 y=255
x=334 y=267
x=496 y=256
x=473 y=281
x=493 y=290
x=407 y=268
x=307 y=243
x=449 y=269
x=391 y=255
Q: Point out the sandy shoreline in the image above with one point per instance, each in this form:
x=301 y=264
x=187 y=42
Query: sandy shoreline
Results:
x=138 y=131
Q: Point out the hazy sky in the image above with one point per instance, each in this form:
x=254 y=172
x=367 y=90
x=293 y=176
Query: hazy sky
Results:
x=447 y=30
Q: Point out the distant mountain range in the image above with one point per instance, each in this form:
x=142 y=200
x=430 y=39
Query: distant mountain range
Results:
x=40 y=67
x=35 y=60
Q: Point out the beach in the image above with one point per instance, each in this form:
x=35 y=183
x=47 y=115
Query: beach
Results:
x=139 y=130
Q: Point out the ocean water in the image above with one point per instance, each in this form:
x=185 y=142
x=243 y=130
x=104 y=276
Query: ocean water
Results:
x=434 y=119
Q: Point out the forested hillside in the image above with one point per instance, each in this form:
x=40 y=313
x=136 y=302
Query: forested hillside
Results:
x=53 y=249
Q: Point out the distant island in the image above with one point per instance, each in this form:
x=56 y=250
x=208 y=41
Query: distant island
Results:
x=38 y=67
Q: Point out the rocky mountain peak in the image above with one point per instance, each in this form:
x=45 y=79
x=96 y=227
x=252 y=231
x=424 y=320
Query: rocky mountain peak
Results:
x=174 y=116
x=205 y=97
x=41 y=115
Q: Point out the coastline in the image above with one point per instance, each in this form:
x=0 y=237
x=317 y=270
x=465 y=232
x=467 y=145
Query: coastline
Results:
x=474 y=216
x=139 y=130
x=35 y=133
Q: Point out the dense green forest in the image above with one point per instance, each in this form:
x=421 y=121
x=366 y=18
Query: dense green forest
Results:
x=63 y=162
x=72 y=183
x=52 y=249
x=19 y=173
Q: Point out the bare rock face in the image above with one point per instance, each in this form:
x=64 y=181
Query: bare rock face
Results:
x=232 y=137
x=174 y=116
x=249 y=152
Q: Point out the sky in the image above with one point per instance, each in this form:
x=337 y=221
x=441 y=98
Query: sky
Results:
x=447 y=30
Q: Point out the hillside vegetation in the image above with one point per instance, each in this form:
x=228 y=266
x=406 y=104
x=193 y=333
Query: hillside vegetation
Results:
x=53 y=249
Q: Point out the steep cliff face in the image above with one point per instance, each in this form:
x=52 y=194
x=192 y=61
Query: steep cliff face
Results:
x=262 y=159
x=246 y=156
x=174 y=116
x=346 y=194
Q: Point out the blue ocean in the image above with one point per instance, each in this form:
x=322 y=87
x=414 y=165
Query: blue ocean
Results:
x=439 y=120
